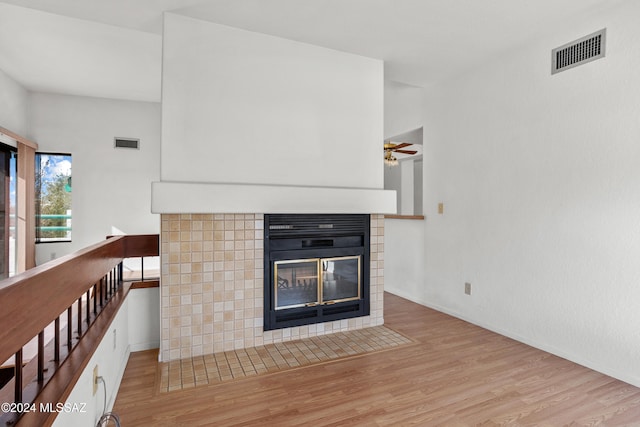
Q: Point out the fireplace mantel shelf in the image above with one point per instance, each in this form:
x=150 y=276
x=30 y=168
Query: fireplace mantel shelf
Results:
x=192 y=197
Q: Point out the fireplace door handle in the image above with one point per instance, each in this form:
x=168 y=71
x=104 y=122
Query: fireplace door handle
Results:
x=311 y=304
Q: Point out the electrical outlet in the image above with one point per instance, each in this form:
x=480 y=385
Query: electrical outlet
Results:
x=440 y=208
x=467 y=288
x=53 y=255
x=114 y=339
x=95 y=380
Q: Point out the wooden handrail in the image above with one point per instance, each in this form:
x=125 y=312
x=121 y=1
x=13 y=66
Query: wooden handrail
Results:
x=33 y=299
x=36 y=298
x=140 y=245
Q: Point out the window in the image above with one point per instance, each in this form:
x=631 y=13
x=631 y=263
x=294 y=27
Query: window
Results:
x=53 y=197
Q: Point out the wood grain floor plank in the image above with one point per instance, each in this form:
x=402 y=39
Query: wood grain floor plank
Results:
x=456 y=375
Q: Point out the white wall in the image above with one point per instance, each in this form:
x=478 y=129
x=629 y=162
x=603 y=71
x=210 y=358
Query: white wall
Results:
x=403 y=121
x=418 y=193
x=244 y=107
x=393 y=181
x=111 y=187
x=404 y=240
x=541 y=185
x=13 y=105
x=144 y=318
x=403 y=108
x=407 y=185
x=136 y=329
x=404 y=257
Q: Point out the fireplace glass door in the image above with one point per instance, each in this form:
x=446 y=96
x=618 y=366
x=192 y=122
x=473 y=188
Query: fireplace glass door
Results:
x=297 y=282
x=340 y=279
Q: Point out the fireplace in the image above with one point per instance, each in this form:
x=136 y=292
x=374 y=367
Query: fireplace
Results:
x=213 y=285
x=316 y=268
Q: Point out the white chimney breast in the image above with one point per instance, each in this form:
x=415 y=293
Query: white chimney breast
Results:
x=245 y=107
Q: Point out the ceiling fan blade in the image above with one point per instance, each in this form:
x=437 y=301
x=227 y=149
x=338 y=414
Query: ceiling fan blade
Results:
x=401 y=145
x=405 y=151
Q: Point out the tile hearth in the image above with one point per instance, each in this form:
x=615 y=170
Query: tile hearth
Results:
x=230 y=365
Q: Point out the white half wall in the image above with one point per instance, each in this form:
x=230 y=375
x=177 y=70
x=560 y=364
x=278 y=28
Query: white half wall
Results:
x=111 y=187
x=244 y=107
x=135 y=328
x=144 y=319
x=541 y=188
x=13 y=105
x=404 y=255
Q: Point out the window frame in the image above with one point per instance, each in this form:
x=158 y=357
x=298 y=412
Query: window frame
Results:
x=38 y=198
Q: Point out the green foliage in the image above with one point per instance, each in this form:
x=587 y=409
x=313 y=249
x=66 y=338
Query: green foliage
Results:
x=55 y=200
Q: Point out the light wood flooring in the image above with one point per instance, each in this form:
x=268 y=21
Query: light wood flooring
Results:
x=456 y=375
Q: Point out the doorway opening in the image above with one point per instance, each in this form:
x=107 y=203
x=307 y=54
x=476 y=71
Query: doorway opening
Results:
x=405 y=174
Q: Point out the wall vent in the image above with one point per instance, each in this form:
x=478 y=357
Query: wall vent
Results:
x=127 y=143
x=578 y=52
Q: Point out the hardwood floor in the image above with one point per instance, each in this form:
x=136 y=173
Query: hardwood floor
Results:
x=457 y=375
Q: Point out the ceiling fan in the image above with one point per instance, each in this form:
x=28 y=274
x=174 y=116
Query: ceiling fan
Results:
x=391 y=147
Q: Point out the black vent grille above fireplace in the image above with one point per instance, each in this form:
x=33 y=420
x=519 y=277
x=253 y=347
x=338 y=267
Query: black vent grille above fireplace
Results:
x=309 y=225
x=316 y=268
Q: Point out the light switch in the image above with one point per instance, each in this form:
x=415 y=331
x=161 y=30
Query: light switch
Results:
x=440 y=208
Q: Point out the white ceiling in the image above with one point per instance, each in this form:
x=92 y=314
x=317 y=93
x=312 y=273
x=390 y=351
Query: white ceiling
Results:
x=113 y=48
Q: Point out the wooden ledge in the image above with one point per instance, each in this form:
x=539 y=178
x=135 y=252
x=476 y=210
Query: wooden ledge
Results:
x=418 y=217
x=145 y=284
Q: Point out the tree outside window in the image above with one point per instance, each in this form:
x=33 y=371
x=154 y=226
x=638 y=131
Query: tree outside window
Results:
x=53 y=197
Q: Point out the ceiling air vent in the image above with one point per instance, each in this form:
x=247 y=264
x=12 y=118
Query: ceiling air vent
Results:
x=578 y=52
x=127 y=143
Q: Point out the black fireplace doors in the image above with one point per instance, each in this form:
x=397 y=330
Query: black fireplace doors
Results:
x=316 y=268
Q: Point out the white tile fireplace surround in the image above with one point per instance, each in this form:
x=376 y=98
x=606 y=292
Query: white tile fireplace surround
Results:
x=212 y=285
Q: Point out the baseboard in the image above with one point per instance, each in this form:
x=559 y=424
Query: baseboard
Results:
x=406 y=295
x=144 y=346
x=606 y=370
